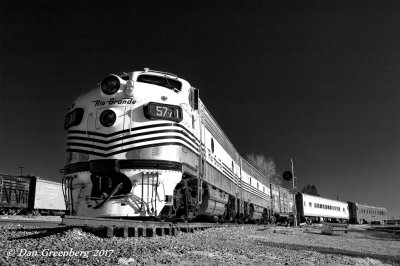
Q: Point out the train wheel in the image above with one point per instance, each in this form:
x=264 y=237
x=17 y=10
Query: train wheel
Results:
x=215 y=219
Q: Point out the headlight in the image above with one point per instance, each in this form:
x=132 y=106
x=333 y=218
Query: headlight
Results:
x=108 y=118
x=110 y=84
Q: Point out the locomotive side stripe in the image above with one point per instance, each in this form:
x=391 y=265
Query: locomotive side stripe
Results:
x=228 y=170
x=247 y=187
x=126 y=150
x=232 y=177
x=255 y=191
x=133 y=130
x=223 y=173
x=120 y=132
x=100 y=141
x=163 y=140
x=126 y=145
x=87 y=145
x=229 y=175
x=255 y=188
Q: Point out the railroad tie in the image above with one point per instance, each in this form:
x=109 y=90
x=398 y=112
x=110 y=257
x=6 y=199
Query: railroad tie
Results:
x=160 y=231
x=125 y=233
x=109 y=231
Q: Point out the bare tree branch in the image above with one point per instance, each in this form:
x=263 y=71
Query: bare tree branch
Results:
x=310 y=189
x=266 y=166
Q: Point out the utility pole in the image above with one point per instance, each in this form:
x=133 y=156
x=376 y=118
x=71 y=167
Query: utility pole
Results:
x=294 y=197
x=21 y=167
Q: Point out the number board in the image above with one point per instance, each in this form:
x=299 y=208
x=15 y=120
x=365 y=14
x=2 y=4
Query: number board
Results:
x=163 y=111
x=73 y=118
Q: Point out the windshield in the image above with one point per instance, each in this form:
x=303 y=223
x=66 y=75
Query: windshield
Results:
x=171 y=84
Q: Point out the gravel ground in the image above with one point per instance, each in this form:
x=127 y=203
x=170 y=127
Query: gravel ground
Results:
x=240 y=245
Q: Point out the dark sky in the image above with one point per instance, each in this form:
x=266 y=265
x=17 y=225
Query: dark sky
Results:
x=313 y=80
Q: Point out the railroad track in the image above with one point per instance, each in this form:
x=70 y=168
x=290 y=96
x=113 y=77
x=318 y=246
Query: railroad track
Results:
x=133 y=228
x=37 y=223
x=387 y=229
x=107 y=227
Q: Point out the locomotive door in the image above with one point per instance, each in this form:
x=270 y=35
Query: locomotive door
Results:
x=109 y=123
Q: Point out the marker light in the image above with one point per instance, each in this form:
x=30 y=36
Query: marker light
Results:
x=108 y=118
x=74 y=118
x=110 y=84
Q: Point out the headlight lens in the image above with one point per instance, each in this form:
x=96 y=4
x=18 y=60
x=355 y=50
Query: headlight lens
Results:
x=108 y=118
x=110 y=85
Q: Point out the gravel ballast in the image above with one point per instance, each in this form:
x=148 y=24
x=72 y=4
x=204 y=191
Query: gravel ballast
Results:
x=240 y=245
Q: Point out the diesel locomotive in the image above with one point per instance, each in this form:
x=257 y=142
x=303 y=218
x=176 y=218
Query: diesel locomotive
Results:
x=143 y=145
